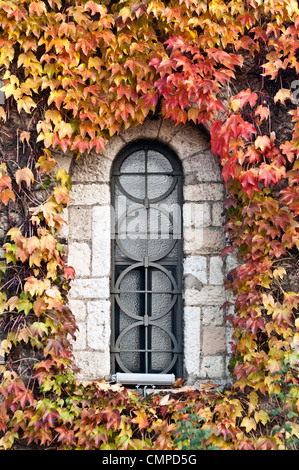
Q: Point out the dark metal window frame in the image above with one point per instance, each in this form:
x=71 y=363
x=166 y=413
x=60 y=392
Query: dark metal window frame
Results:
x=172 y=267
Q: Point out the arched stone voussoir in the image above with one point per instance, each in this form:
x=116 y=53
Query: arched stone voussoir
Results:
x=190 y=140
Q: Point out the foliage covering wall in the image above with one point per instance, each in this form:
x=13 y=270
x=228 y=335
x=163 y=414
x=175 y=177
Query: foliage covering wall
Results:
x=76 y=73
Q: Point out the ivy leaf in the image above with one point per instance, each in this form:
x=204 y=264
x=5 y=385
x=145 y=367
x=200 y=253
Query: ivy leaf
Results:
x=37 y=7
x=5 y=182
x=2 y=113
x=249 y=181
x=282 y=95
x=262 y=111
x=69 y=273
x=24 y=397
x=62 y=195
x=246 y=96
x=25 y=103
x=141 y=419
x=249 y=424
x=267 y=174
x=35 y=286
x=262 y=143
x=261 y=416
x=283 y=315
x=24 y=304
x=6 y=195
x=24 y=174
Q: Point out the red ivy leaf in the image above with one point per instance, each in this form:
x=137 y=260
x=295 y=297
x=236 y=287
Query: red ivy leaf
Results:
x=69 y=273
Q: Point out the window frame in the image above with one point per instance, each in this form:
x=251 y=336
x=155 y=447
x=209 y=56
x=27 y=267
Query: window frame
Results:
x=176 y=333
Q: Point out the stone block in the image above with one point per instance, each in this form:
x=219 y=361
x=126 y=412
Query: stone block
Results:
x=90 y=168
x=101 y=241
x=212 y=367
x=113 y=147
x=196 y=214
x=212 y=315
x=92 y=288
x=203 y=241
x=168 y=130
x=80 y=342
x=203 y=168
x=216 y=270
x=78 y=308
x=196 y=265
x=79 y=258
x=208 y=295
x=64 y=231
x=213 y=340
x=192 y=339
x=148 y=130
x=218 y=217
x=203 y=192
x=98 y=325
x=64 y=160
x=90 y=194
x=93 y=365
x=232 y=261
x=80 y=222
x=189 y=140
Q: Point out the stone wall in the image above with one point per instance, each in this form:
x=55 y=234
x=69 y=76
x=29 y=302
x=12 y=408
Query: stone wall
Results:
x=206 y=336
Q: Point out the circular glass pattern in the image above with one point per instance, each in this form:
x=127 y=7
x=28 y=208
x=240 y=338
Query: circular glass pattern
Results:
x=146 y=174
x=146 y=231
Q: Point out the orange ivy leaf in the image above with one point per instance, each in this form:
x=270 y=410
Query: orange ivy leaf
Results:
x=6 y=195
x=141 y=419
x=5 y=182
x=37 y=7
x=32 y=244
x=62 y=195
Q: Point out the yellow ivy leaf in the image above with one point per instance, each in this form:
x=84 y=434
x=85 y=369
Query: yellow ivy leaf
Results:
x=25 y=103
x=282 y=95
x=261 y=416
x=62 y=195
x=6 y=345
x=249 y=424
x=279 y=272
x=295 y=429
x=234 y=104
x=64 y=129
x=53 y=115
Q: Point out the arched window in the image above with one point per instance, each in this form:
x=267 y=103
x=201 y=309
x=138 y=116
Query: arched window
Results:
x=146 y=283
